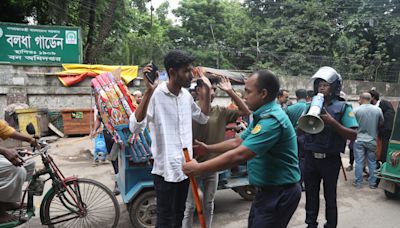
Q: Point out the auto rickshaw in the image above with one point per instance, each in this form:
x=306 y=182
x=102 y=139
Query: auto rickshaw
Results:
x=389 y=172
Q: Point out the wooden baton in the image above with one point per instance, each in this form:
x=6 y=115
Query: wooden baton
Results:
x=196 y=197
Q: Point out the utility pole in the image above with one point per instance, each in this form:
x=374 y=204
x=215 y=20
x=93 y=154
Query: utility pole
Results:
x=258 y=48
x=151 y=29
x=216 y=45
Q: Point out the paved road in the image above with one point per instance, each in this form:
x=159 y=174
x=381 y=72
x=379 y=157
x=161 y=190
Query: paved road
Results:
x=364 y=208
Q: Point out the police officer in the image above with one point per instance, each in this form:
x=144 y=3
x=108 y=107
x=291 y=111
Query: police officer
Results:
x=269 y=145
x=323 y=150
x=294 y=112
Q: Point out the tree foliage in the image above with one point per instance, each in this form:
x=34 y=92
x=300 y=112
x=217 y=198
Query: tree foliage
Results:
x=360 y=38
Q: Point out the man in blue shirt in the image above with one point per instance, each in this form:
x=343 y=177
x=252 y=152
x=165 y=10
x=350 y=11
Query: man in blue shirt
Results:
x=269 y=145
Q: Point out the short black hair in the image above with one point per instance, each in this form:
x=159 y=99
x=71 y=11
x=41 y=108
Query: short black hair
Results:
x=374 y=94
x=310 y=93
x=301 y=94
x=281 y=91
x=214 y=80
x=267 y=80
x=176 y=59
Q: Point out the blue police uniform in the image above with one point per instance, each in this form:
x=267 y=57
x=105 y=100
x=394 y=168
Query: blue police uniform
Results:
x=323 y=161
x=274 y=171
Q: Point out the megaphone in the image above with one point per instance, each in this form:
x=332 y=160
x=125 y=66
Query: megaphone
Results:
x=311 y=122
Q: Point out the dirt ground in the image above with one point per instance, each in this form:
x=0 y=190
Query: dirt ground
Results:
x=363 y=208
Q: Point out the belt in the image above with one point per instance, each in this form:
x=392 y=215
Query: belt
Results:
x=271 y=188
x=318 y=155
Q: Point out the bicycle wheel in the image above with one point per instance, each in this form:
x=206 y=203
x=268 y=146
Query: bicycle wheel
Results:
x=100 y=207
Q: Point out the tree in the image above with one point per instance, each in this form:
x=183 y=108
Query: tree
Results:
x=213 y=31
x=373 y=34
x=14 y=11
x=359 y=38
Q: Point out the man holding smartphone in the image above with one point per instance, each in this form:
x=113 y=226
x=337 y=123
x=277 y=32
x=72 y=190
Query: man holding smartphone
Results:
x=168 y=110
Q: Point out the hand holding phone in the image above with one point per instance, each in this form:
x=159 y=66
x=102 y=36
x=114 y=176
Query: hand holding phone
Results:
x=151 y=76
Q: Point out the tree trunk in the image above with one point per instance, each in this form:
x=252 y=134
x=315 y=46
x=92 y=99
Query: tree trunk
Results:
x=62 y=17
x=83 y=12
x=88 y=50
x=104 y=29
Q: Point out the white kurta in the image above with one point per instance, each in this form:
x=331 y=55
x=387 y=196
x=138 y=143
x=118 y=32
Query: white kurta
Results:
x=12 y=179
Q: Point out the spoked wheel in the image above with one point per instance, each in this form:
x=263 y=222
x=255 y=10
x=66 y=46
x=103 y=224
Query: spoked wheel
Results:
x=88 y=203
x=142 y=211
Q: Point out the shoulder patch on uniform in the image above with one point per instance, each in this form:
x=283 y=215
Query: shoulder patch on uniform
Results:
x=256 y=129
x=351 y=114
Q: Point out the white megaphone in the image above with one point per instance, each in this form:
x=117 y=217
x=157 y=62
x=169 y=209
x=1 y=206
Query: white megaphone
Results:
x=311 y=122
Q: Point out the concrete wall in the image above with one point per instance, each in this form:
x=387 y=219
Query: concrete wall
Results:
x=31 y=84
x=353 y=89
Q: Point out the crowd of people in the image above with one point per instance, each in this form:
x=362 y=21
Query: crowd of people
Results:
x=282 y=159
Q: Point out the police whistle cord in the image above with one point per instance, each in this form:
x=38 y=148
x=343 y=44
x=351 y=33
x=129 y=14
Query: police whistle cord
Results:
x=196 y=196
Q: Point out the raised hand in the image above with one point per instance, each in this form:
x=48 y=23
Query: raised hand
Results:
x=326 y=117
x=225 y=84
x=149 y=86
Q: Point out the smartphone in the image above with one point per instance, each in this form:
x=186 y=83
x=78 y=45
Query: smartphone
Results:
x=151 y=76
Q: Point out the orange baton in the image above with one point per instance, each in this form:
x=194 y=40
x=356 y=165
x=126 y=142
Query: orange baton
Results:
x=196 y=197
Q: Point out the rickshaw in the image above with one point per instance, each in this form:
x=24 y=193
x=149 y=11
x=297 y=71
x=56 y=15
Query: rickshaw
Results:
x=70 y=202
x=389 y=172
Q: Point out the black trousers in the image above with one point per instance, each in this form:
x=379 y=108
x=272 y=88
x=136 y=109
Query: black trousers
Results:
x=109 y=144
x=274 y=208
x=171 y=199
x=300 y=146
x=385 y=144
x=316 y=170
x=351 y=151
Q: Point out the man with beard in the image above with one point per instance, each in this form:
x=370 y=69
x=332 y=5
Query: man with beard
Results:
x=283 y=98
x=168 y=110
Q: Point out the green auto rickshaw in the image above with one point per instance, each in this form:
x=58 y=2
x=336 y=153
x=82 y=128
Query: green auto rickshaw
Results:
x=389 y=172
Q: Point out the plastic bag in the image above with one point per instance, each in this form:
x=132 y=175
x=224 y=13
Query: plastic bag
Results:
x=100 y=144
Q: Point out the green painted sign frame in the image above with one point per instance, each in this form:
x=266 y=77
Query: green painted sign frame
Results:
x=23 y=44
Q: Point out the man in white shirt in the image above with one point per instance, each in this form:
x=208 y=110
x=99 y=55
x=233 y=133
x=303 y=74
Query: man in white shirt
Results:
x=168 y=110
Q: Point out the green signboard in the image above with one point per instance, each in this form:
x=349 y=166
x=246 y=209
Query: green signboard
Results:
x=39 y=45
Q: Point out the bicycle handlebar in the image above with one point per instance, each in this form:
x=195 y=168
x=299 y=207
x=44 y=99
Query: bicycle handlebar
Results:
x=42 y=149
